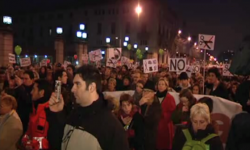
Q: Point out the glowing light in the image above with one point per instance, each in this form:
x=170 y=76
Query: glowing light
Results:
x=108 y=40
x=138 y=9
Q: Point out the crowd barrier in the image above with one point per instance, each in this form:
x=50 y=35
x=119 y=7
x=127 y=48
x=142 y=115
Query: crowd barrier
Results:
x=223 y=110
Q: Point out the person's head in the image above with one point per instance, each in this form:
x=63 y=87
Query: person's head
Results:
x=28 y=78
x=234 y=87
x=183 y=79
x=70 y=70
x=196 y=89
x=61 y=75
x=41 y=89
x=145 y=77
x=226 y=82
x=163 y=73
x=7 y=104
x=162 y=85
x=113 y=74
x=111 y=84
x=139 y=86
x=136 y=76
x=43 y=70
x=126 y=103
x=119 y=75
x=208 y=101
x=200 y=116
x=107 y=71
x=187 y=98
x=124 y=68
x=87 y=83
x=214 y=75
x=126 y=81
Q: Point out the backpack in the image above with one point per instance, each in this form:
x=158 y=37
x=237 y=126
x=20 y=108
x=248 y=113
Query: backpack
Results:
x=196 y=145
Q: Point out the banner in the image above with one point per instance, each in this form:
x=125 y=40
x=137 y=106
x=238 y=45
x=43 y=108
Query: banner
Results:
x=223 y=110
x=25 y=62
x=12 y=58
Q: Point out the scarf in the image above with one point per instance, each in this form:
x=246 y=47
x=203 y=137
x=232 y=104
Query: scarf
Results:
x=161 y=94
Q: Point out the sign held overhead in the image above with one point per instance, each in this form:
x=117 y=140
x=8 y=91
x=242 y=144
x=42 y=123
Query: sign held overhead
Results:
x=206 y=41
x=177 y=64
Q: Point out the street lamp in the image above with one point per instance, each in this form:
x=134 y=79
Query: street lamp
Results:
x=59 y=30
x=84 y=35
x=135 y=46
x=125 y=43
x=26 y=56
x=179 y=32
x=45 y=56
x=126 y=38
x=82 y=26
x=146 y=48
x=189 y=38
x=108 y=40
x=79 y=34
x=138 y=9
x=7 y=20
x=35 y=56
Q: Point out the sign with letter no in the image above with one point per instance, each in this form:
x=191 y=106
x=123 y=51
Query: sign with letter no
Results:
x=177 y=64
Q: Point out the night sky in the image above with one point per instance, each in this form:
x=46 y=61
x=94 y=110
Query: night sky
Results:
x=229 y=20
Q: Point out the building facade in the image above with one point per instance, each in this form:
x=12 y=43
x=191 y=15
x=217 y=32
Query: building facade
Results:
x=155 y=27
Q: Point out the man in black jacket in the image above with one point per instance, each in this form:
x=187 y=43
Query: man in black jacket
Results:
x=91 y=126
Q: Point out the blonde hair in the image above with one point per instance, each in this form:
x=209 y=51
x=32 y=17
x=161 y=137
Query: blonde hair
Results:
x=202 y=110
x=9 y=100
x=112 y=80
x=164 y=80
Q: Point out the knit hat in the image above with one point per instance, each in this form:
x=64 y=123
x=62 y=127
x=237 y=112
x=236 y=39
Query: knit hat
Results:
x=183 y=76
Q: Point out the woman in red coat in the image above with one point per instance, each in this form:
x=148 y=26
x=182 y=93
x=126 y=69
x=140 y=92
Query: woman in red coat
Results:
x=165 y=133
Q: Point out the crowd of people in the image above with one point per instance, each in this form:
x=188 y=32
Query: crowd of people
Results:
x=33 y=118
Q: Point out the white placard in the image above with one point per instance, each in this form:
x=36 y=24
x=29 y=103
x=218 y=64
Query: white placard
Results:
x=95 y=55
x=25 y=62
x=226 y=70
x=114 y=55
x=177 y=64
x=206 y=42
x=150 y=65
x=12 y=58
x=43 y=63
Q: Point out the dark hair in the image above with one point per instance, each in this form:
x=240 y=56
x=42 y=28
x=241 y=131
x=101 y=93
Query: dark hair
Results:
x=126 y=98
x=183 y=76
x=72 y=67
x=188 y=94
x=44 y=85
x=30 y=73
x=125 y=66
x=207 y=101
x=215 y=71
x=59 y=73
x=196 y=85
x=90 y=74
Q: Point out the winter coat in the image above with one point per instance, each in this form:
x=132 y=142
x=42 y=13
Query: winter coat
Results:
x=152 y=115
x=135 y=131
x=239 y=135
x=180 y=139
x=165 y=132
x=10 y=131
x=93 y=127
